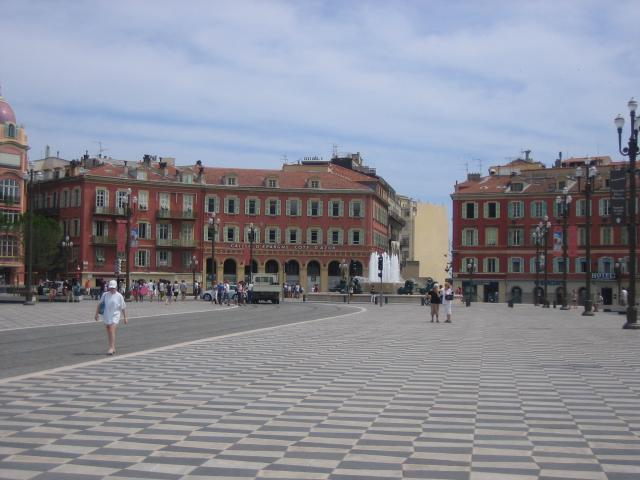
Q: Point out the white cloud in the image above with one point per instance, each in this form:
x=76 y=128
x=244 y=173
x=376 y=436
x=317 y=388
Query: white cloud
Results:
x=415 y=86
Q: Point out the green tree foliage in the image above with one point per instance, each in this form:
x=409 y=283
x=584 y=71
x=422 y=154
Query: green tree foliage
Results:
x=47 y=235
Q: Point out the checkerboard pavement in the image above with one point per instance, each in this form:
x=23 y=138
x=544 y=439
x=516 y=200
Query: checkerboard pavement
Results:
x=501 y=393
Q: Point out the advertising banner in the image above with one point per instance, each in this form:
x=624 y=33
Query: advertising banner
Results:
x=557 y=241
x=618 y=183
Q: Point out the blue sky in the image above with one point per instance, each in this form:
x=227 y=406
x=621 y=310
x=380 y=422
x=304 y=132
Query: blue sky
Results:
x=421 y=88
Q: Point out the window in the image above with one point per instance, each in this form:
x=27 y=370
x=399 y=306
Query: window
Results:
x=605 y=265
x=8 y=246
x=272 y=207
x=211 y=204
x=581 y=207
x=517 y=187
x=164 y=258
x=76 y=197
x=142 y=258
x=491 y=210
x=558 y=265
x=314 y=236
x=581 y=265
x=272 y=235
x=9 y=216
x=356 y=237
x=252 y=206
x=9 y=191
x=65 y=198
x=336 y=208
x=314 y=183
x=99 y=253
x=143 y=200
x=187 y=204
x=469 y=210
x=209 y=230
x=141 y=175
x=144 y=231
x=624 y=236
x=102 y=199
x=122 y=199
x=11 y=130
x=314 y=208
x=355 y=209
x=538 y=209
x=491 y=236
x=516 y=209
x=491 y=265
x=75 y=227
x=186 y=178
x=165 y=201
x=293 y=235
x=164 y=231
x=100 y=228
x=294 y=208
x=469 y=237
x=231 y=234
x=231 y=181
x=272 y=182
x=605 y=207
x=335 y=236
x=582 y=236
x=231 y=205
x=606 y=235
x=465 y=261
x=516 y=237
x=186 y=231
x=516 y=265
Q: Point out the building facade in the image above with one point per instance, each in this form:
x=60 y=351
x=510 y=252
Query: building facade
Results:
x=13 y=166
x=495 y=216
x=306 y=219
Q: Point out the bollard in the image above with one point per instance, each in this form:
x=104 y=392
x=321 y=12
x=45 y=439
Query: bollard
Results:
x=304 y=297
x=467 y=303
x=510 y=303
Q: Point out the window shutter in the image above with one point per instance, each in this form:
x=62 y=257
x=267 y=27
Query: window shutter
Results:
x=288 y=207
x=486 y=209
x=309 y=202
x=464 y=210
x=497 y=209
x=544 y=208
x=341 y=209
x=278 y=207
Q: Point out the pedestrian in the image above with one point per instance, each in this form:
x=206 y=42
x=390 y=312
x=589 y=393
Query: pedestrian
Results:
x=225 y=297
x=250 y=292
x=435 y=301
x=196 y=290
x=162 y=290
x=220 y=292
x=574 y=298
x=114 y=307
x=168 y=297
x=372 y=291
x=176 y=290
x=447 y=301
x=599 y=301
x=183 y=290
x=623 y=297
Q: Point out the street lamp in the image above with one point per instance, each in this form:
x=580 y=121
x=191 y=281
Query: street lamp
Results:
x=592 y=171
x=563 y=201
x=471 y=265
x=252 y=238
x=66 y=245
x=29 y=179
x=617 y=268
x=131 y=201
x=542 y=231
x=538 y=241
x=194 y=268
x=214 y=223
x=631 y=151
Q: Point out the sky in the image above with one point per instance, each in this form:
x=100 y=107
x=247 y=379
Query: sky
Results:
x=424 y=90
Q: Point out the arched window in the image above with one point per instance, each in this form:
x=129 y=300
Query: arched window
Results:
x=11 y=130
x=9 y=190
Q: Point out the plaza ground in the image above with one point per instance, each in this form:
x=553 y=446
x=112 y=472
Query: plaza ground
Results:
x=369 y=393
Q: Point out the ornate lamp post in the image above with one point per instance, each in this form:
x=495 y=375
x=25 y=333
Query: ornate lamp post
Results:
x=214 y=223
x=538 y=241
x=471 y=265
x=592 y=171
x=131 y=201
x=252 y=238
x=66 y=245
x=194 y=269
x=542 y=231
x=631 y=151
x=564 y=201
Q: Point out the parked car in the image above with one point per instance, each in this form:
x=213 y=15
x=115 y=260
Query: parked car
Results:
x=208 y=295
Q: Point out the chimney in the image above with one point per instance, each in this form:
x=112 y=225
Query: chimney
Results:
x=47 y=152
x=126 y=169
x=163 y=166
x=473 y=177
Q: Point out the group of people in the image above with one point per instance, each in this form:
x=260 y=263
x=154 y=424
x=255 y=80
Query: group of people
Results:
x=292 y=291
x=437 y=296
x=223 y=293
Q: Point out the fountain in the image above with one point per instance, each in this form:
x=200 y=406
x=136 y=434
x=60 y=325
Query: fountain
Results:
x=391 y=279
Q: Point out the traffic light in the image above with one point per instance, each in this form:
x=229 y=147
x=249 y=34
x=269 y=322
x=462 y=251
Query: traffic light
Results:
x=380 y=260
x=352 y=268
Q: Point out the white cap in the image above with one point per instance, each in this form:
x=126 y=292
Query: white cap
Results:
x=113 y=284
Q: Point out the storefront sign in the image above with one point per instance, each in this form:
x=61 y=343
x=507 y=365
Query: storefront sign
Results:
x=603 y=276
x=269 y=246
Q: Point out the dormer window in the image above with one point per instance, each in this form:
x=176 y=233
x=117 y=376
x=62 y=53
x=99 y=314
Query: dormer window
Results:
x=141 y=175
x=517 y=187
x=231 y=181
x=187 y=178
x=272 y=182
x=314 y=183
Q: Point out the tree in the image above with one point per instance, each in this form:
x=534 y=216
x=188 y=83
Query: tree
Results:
x=47 y=235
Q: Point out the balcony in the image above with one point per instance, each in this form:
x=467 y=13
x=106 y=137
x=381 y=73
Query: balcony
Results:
x=176 y=243
x=165 y=213
x=110 y=211
x=103 y=240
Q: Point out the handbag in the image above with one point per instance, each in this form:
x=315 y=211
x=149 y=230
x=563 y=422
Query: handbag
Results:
x=448 y=297
x=101 y=307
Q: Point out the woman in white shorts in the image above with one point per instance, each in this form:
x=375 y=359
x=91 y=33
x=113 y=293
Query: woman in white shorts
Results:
x=447 y=301
x=114 y=308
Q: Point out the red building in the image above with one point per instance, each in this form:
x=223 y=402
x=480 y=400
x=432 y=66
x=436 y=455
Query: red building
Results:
x=307 y=219
x=494 y=218
x=13 y=166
